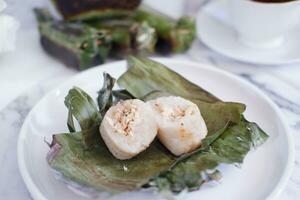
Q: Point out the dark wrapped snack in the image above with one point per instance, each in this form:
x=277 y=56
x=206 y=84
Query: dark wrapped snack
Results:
x=129 y=37
x=87 y=43
x=90 y=9
x=173 y=36
x=77 y=45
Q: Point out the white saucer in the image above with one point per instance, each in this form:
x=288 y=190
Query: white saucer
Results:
x=215 y=30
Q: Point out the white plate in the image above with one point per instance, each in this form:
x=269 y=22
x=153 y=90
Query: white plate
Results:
x=263 y=174
x=215 y=29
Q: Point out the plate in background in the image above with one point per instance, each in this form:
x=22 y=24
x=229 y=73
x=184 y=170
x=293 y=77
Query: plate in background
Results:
x=215 y=30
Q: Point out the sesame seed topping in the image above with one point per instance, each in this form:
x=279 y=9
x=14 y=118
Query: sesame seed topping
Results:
x=124 y=118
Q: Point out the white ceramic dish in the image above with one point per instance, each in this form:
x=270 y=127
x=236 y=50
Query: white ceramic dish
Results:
x=214 y=28
x=262 y=176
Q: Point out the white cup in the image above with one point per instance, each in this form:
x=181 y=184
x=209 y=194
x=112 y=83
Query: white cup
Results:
x=263 y=25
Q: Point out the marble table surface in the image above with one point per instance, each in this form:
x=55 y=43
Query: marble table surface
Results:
x=28 y=73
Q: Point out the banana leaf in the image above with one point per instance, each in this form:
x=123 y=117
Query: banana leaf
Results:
x=83 y=44
x=82 y=107
x=173 y=36
x=42 y=15
x=145 y=76
x=128 y=37
x=91 y=9
x=230 y=146
x=105 y=95
x=119 y=95
x=90 y=166
x=183 y=35
x=75 y=44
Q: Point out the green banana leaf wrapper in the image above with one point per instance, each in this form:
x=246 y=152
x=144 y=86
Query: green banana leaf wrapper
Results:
x=128 y=37
x=173 y=36
x=81 y=159
x=75 y=44
x=91 y=9
x=84 y=44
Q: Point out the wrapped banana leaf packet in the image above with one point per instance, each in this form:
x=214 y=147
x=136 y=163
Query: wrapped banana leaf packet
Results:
x=81 y=159
x=91 y=31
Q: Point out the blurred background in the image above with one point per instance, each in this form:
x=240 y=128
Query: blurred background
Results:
x=28 y=64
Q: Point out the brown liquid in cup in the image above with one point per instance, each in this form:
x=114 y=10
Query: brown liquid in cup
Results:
x=273 y=1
